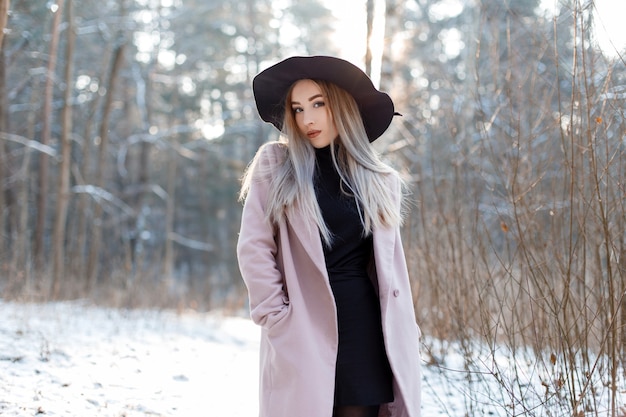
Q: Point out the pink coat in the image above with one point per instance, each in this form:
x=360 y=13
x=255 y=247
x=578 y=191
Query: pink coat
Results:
x=291 y=299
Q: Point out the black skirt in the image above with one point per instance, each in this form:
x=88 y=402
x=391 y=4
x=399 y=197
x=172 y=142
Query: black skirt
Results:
x=363 y=375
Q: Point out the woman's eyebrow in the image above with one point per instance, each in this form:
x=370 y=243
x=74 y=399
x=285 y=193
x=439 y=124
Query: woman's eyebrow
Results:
x=310 y=99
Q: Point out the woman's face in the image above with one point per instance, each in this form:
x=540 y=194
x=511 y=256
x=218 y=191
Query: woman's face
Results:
x=311 y=113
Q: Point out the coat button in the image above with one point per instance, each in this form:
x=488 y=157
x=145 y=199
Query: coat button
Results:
x=396 y=293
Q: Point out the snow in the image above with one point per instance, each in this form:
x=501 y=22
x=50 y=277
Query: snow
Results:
x=75 y=359
x=70 y=359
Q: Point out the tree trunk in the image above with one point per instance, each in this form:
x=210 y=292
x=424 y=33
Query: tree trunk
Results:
x=4 y=14
x=83 y=175
x=92 y=266
x=144 y=105
x=22 y=262
x=63 y=187
x=393 y=25
x=370 y=31
x=45 y=138
x=168 y=258
x=3 y=154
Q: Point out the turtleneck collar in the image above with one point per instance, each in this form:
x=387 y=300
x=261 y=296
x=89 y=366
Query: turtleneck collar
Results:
x=322 y=151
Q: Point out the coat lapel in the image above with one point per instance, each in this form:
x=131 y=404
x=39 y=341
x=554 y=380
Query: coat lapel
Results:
x=309 y=237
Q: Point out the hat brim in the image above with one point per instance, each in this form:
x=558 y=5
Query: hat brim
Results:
x=271 y=85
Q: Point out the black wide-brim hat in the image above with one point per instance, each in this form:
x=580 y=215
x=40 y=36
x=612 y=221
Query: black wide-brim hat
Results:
x=271 y=85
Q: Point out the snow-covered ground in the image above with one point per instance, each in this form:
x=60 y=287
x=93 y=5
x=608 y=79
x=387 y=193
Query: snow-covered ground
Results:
x=68 y=359
x=73 y=359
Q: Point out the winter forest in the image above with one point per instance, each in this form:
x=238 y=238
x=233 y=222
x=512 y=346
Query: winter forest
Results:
x=125 y=127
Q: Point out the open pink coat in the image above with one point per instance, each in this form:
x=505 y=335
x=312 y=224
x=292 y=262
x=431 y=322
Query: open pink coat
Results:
x=291 y=299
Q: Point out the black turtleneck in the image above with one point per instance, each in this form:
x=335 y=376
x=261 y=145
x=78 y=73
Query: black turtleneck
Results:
x=349 y=252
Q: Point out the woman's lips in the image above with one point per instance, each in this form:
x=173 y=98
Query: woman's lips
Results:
x=313 y=133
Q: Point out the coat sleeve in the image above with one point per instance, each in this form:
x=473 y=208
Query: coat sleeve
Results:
x=257 y=248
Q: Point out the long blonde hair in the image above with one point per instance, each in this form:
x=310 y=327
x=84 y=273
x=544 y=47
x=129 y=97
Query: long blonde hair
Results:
x=360 y=168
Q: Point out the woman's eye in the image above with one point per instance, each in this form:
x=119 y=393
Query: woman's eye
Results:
x=319 y=104
x=296 y=109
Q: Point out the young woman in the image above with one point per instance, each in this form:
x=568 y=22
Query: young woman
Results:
x=320 y=251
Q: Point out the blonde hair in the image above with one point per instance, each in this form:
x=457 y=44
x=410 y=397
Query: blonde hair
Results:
x=360 y=168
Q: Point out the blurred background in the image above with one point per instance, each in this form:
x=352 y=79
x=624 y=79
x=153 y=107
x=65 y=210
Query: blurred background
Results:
x=125 y=126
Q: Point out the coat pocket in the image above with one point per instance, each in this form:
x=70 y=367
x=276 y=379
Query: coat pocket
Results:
x=278 y=316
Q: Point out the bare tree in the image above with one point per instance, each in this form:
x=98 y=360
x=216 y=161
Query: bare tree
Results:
x=63 y=186
x=393 y=26
x=46 y=120
x=3 y=122
x=83 y=174
x=168 y=254
x=520 y=226
x=370 y=31
x=4 y=13
x=96 y=237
